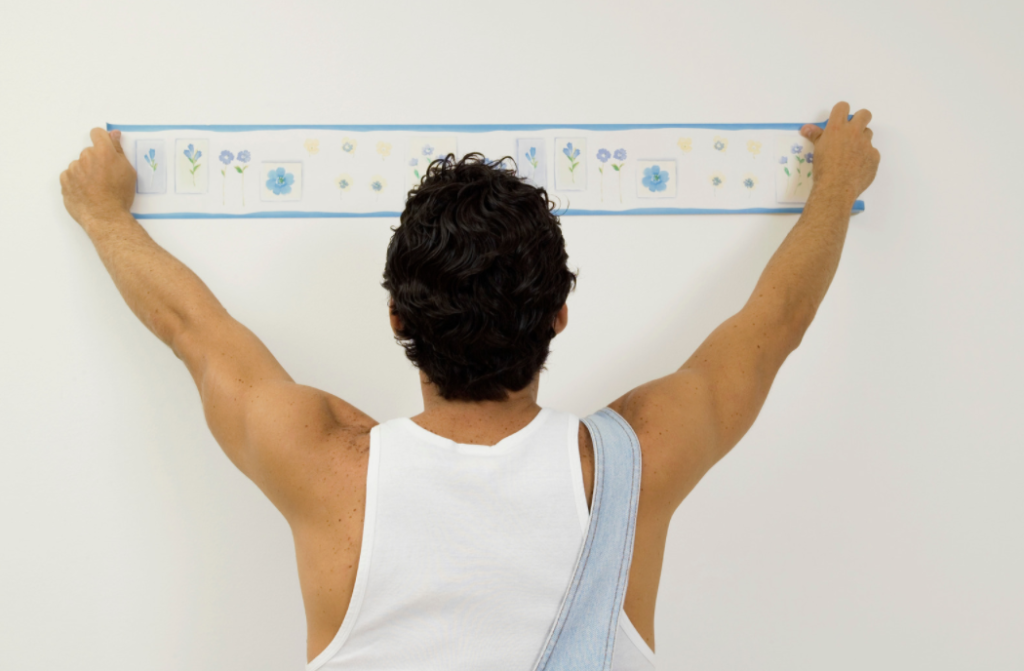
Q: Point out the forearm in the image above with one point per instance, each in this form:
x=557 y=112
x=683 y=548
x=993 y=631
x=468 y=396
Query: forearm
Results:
x=799 y=273
x=162 y=292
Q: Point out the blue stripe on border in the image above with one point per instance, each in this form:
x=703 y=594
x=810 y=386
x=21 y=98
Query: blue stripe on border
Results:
x=858 y=206
x=458 y=128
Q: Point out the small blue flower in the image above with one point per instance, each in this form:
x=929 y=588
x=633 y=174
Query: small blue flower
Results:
x=151 y=158
x=226 y=157
x=797 y=148
x=719 y=145
x=244 y=156
x=783 y=160
x=414 y=161
x=749 y=183
x=280 y=182
x=620 y=154
x=717 y=181
x=427 y=150
x=348 y=147
x=654 y=179
x=532 y=154
x=570 y=152
x=376 y=186
x=810 y=157
x=603 y=155
x=188 y=152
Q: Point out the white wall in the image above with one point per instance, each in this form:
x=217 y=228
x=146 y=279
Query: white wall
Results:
x=872 y=516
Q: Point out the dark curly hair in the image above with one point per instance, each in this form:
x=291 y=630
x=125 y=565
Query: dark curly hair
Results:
x=477 y=272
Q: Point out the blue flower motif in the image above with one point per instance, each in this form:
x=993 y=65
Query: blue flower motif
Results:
x=376 y=186
x=603 y=155
x=427 y=150
x=188 y=152
x=749 y=183
x=810 y=157
x=348 y=147
x=532 y=154
x=654 y=179
x=783 y=160
x=280 y=182
x=620 y=154
x=570 y=152
x=244 y=156
x=226 y=157
x=797 y=148
x=717 y=181
x=414 y=161
x=151 y=158
x=719 y=145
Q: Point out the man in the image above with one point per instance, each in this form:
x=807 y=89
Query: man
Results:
x=477 y=282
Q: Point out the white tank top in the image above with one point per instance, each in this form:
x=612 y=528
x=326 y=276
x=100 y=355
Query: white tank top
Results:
x=467 y=552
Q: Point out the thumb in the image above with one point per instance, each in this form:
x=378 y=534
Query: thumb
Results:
x=811 y=132
x=115 y=138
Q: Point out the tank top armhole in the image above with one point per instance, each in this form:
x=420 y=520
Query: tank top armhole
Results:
x=348 y=623
x=635 y=638
x=576 y=474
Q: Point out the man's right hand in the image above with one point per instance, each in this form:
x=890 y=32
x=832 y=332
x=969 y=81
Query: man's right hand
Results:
x=843 y=156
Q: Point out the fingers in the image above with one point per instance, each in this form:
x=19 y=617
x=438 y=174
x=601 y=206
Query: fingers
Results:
x=99 y=137
x=115 y=139
x=64 y=182
x=861 y=118
x=839 y=113
x=870 y=133
x=811 y=132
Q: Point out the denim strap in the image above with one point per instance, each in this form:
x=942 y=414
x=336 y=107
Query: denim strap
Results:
x=583 y=635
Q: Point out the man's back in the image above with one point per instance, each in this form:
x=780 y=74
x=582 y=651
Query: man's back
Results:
x=464 y=551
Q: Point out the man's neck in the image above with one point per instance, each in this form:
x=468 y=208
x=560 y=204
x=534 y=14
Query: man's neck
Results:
x=483 y=422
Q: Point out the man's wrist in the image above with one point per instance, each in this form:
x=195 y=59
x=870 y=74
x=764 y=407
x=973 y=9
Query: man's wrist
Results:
x=840 y=192
x=100 y=222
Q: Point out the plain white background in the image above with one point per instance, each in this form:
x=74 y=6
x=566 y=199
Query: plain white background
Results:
x=871 y=518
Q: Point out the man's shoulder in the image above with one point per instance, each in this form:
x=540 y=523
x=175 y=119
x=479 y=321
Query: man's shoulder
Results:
x=672 y=427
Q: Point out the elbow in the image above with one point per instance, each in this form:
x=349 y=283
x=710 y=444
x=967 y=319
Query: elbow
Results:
x=798 y=324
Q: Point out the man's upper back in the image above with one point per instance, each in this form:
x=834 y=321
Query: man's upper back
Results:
x=461 y=539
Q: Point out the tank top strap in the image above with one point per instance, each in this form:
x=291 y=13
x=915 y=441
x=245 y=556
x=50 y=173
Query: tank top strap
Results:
x=583 y=634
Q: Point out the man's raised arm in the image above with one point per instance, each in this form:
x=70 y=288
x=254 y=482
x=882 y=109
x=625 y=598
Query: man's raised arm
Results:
x=270 y=427
x=692 y=418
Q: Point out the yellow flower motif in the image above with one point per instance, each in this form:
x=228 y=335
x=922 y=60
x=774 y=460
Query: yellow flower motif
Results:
x=384 y=149
x=717 y=180
x=312 y=146
x=348 y=145
x=750 y=181
x=344 y=182
x=721 y=143
x=686 y=144
x=754 y=147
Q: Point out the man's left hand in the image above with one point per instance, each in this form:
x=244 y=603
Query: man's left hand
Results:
x=101 y=183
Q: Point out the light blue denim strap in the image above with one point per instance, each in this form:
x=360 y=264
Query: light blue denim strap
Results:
x=583 y=635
